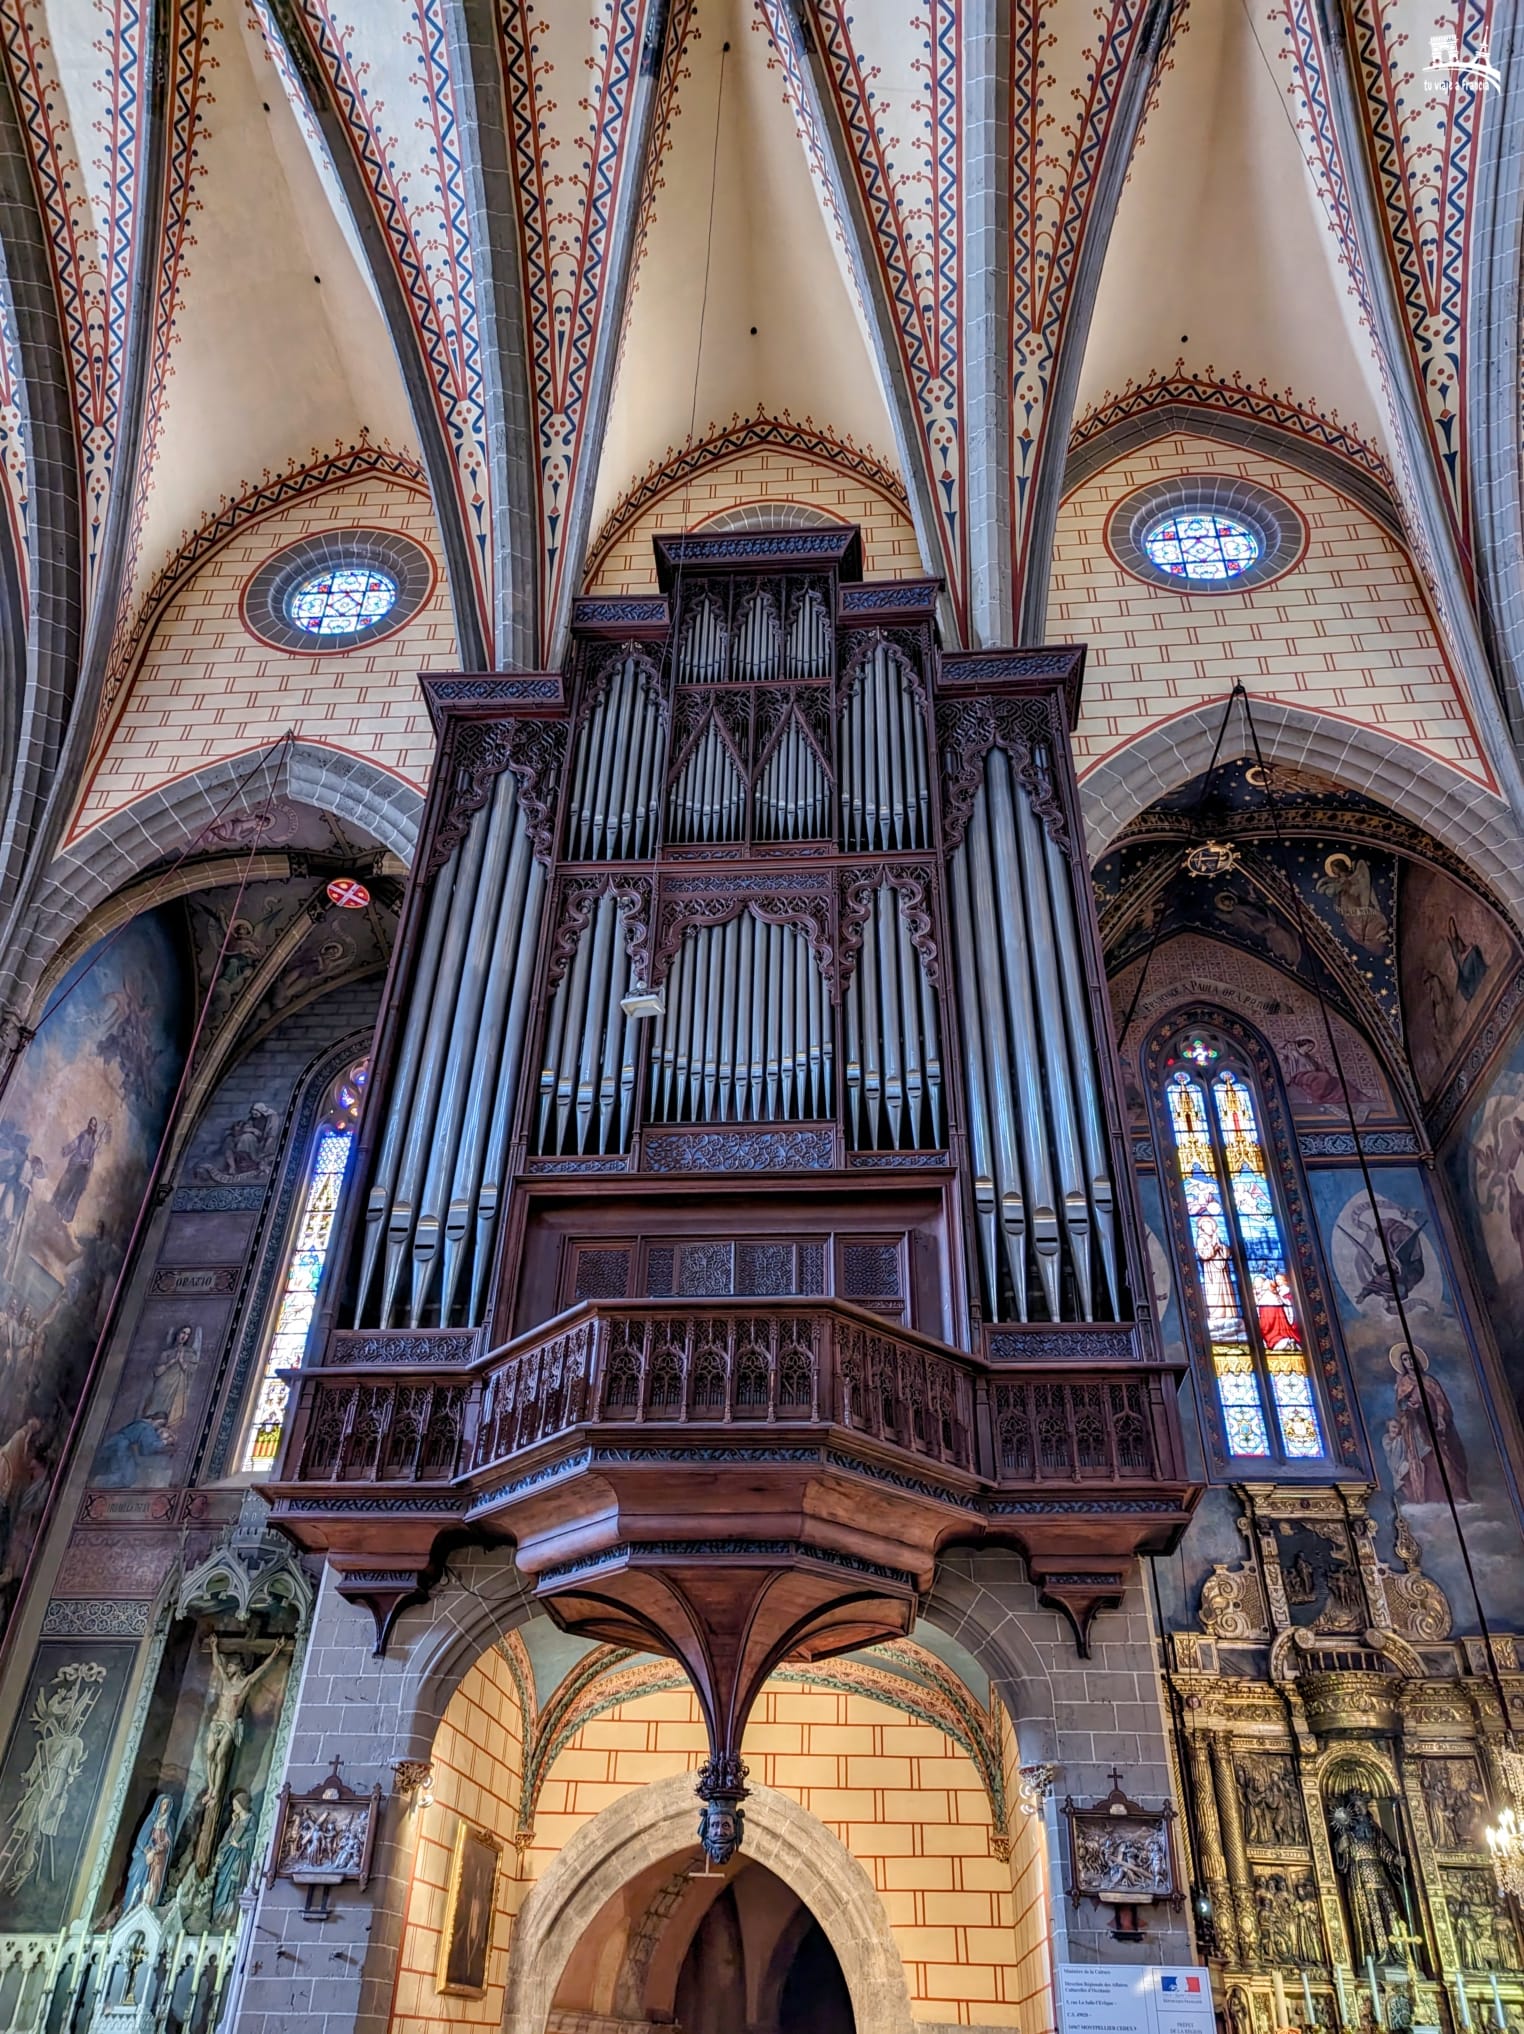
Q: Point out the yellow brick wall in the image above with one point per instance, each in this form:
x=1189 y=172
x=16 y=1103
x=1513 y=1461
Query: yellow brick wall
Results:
x=207 y=689
x=1346 y=632
x=890 y=550
x=478 y=1758
x=1031 y=1915
x=902 y=1797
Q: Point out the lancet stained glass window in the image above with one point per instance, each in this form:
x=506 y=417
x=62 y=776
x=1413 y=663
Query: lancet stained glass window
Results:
x=1259 y=1356
x=304 y=1267
x=342 y=600
x=1196 y=544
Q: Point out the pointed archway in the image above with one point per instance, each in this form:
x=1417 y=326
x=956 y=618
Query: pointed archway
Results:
x=660 y=1822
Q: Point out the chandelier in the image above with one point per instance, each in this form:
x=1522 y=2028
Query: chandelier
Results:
x=1505 y=1840
x=1505 y=1837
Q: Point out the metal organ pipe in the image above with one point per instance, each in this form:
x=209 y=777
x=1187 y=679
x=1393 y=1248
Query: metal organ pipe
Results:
x=758 y=645
x=419 y=1132
x=1087 y=1077
x=885 y=789
x=482 y=1166
x=745 y=1035
x=894 y=1060
x=587 y=1076
x=708 y=797
x=809 y=637
x=615 y=799
x=1037 y=1144
x=437 y=1189
x=460 y=1054
x=790 y=801
x=705 y=649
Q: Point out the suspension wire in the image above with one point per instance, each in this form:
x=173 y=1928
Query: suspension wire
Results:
x=127 y=1267
x=1419 y=1369
x=1185 y=854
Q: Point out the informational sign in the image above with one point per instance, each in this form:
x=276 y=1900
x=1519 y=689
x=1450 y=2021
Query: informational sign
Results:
x=1120 y=1998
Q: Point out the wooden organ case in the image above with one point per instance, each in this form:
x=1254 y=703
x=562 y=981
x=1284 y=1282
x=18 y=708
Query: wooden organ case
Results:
x=742 y=1211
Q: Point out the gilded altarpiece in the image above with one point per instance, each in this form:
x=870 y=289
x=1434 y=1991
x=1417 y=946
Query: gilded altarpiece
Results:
x=1338 y=1759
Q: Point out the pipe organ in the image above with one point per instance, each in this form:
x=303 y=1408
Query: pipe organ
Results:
x=744 y=1062
x=766 y=884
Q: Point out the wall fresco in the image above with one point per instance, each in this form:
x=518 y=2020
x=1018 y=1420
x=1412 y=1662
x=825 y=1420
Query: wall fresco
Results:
x=50 y=1780
x=1456 y=954
x=1412 y=1470
x=79 y=1127
x=1485 y=1166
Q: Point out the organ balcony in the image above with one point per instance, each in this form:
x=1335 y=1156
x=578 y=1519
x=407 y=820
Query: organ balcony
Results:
x=793 y=1468
x=743 y=1212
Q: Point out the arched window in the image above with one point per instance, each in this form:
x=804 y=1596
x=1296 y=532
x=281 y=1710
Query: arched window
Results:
x=1250 y=1306
x=332 y=1138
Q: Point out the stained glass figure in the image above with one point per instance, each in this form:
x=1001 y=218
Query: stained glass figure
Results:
x=304 y=1267
x=1236 y=1236
x=1201 y=547
x=342 y=600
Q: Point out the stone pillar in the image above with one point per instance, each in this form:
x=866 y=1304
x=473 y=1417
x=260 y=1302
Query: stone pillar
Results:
x=1230 y=1815
x=1214 y=1869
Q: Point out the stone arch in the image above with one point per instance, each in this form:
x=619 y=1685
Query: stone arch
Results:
x=167 y=821
x=660 y=1821
x=1475 y=824
x=985 y=1613
x=1257 y=434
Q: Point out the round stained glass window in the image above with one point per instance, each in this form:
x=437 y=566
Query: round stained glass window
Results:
x=1200 y=546
x=342 y=600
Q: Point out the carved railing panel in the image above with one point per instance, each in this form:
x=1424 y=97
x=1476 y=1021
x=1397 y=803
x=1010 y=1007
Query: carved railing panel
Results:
x=1076 y=1430
x=380 y=1431
x=660 y=1364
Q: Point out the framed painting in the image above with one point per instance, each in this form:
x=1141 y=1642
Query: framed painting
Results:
x=470 y=1900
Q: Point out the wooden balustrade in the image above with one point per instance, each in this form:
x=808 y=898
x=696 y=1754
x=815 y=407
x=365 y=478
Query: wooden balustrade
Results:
x=653 y=1364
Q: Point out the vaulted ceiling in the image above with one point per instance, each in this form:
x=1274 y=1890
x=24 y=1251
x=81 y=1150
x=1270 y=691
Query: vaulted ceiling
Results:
x=532 y=251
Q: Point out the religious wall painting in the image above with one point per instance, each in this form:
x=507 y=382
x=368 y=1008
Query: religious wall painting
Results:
x=1191 y=969
x=50 y=1780
x=1412 y=1472
x=1351 y=888
x=79 y=1128
x=155 y=1418
x=343 y=946
x=1456 y=953
x=241 y=1146
x=234 y=933
x=1485 y=1163
x=471 y=1897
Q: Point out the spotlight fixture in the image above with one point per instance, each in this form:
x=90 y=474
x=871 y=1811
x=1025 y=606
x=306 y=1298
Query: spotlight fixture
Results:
x=643 y=1003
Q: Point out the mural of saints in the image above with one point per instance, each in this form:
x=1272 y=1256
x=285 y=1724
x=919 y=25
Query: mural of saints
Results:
x=51 y=1773
x=1409 y=1446
x=137 y=1452
x=1414 y=1455
x=79 y=1127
